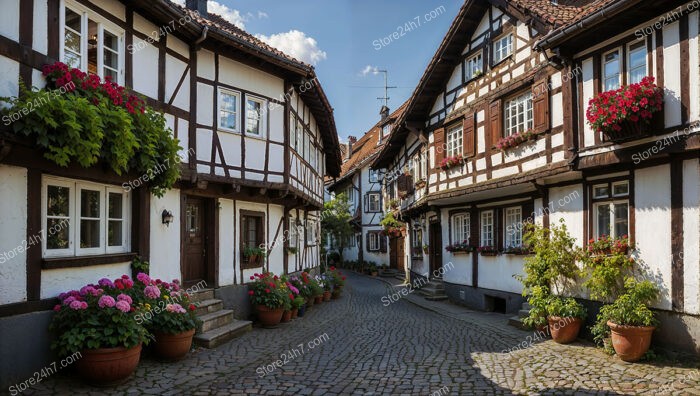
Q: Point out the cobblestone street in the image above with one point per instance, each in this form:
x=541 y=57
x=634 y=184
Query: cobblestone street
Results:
x=372 y=349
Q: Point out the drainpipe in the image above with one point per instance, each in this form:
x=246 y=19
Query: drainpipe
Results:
x=203 y=37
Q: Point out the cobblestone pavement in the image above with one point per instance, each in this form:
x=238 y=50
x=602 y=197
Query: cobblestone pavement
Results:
x=372 y=349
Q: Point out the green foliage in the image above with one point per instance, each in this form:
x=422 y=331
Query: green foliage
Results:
x=631 y=308
x=538 y=298
x=139 y=265
x=298 y=302
x=254 y=251
x=388 y=221
x=565 y=308
x=606 y=262
x=267 y=290
x=315 y=286
x=335 y=222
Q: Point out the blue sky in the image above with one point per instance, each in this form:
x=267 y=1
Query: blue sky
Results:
x=345 y=32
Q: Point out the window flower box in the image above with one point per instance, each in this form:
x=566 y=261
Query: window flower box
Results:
x=515 y=140
x=451 y=162
x=606 y=246
x=518 y=251
x=417 y=251
x=460 y=247
x=625 y=113
x=487 y=250
x=420 y=183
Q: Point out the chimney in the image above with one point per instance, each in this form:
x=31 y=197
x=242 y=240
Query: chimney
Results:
x=384 y=112
x=351 y=141
x=198 y=5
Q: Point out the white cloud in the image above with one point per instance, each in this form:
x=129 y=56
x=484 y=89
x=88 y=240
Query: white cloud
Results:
x=369 y=69
x=262 y=14
x=296 y=44
x=231 y=15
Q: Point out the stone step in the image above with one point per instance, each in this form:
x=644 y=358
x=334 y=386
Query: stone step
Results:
x=205 y=294
x=220 y=335
x=216 y=319
x=400 y=276
x=208 y=306
x=431 y=290
x=523 y=313
x=434 y=285
x=517 y=322
x=526 y=306
x=436 y=297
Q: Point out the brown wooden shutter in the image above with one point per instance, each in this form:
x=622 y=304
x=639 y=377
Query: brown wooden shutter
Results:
x=367 y=245
x=401 y=183
x=495 y=122
x=468 y=138
x=366 y=202
x=540 y=106
x=438 y=145
x=382 y=243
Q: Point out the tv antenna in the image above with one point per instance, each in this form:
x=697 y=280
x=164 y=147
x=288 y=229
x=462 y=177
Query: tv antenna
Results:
x=386 y=87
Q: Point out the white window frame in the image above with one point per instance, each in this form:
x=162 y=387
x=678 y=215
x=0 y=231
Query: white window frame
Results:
x=293 y=232
x=604 y=75
x=486 y=228
x=417 y=237
x=502 y=47
x=102 y=24
x=473 y=64
x=237 y=112
x=454 y=141
x=518 y=114
x=377 y=202
x=641 y=47
x=292 y=131
x=620 y=183
x=600 y=196
x=461 y=227
x=311 y=226
x=74 y=249
x=611 y=203
x=513 y=227
x=262 y=117
x=374 y=244
x=374 y=176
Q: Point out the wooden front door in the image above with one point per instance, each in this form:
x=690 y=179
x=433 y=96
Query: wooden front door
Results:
x=195 y=239
x=397 y=253
x=435 y=248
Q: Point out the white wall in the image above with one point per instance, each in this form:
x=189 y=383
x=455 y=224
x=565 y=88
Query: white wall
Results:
x=57 y=281
x=691 y=235
x=226 y=242
x=165 y=239
x=13 y=239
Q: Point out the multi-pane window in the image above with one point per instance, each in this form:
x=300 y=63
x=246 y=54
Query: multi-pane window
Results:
x=514 y=229
x=374 y=202
x=417 y=237
x=487 y=228
x=611 y=209
x=373 y=241
x=454 y=141
x=252 y=231
x=611 y=70
x=474 y=66
x=91 y=43
x=84 y=218
x=518 y=114
x=373 y=176
x=229 y=102
x=254 y=116
x=300 y=137
x=502 y=48
x=460 y=228
x=292 y=131
x=311 y=228
x=637 y=62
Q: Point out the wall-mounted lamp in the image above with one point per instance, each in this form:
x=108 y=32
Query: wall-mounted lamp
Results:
x=167 y=217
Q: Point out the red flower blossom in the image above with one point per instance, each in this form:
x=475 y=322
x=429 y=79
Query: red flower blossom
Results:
x=267 y=290
x=192 y=307
x=250 y=292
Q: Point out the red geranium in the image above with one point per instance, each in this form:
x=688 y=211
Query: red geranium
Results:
x=634 y=102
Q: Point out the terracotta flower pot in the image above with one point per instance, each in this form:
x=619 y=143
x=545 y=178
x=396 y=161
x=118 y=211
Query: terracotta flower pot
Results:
x=564 y=330
x=295 y=312
x=335 y=294
x=286 y=316
x=108 y=366
x=173 y=346
x=374 y=273
x=269 y=317
x=318 y=299
x=630 y=342
x=326 y=295
x=310 y=302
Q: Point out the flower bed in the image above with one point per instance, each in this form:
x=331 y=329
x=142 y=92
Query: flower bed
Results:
x=625 y=113
x=515 y=140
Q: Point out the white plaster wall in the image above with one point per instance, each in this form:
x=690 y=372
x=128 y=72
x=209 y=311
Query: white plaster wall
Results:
x=205 y=64
x=566 y=203
x=146 y=79
x=496 y=272
x=253 y=80
x=113 y=7
x=276 y=257
x=205 y=102
x=9 y=20
x=694 y=53
x=587 y=77
x=40 y=42
x=653 y=225
x=55 y=282
x=9 y=70
x=178 y=46
x=231 y=145
x=377 y=257
x=457 y=267
x=255 y=154
x=672 y=74
x=13 y=234
x=173 y=72
x=165 y=239
x=691 y=235
x=226 y=242
x=184 y=138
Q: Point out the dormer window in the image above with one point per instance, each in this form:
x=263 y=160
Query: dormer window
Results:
x=386 y=130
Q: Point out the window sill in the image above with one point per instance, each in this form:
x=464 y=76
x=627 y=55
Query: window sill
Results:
x=86 y=261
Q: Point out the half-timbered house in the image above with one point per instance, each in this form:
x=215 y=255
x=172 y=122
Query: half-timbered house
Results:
x=500 y=114
x=257 y=136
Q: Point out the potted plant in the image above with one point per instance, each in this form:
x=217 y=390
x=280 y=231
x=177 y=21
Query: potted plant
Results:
x=630 y=320
x=392 y=204
x=515 y=140
x=326 y=284
x=450 y=162
x=99 y=322
x=373 y=270
x=287 y=314
x=625 y=113
x=298 y=306
x=538 y=297
x=487 y=250
x=172 y=320
x=338 y=280
x=253 y=254
x=565 y=317
x=268 y=298
x=316 y=290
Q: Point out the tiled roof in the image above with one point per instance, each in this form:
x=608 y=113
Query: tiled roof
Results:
x=565 y=12
x=366 y=147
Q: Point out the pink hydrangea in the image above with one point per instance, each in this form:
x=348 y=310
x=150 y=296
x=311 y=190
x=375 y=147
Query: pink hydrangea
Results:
x=143 y=278
x=128 y=283
x=124 y=297
x=104 y=282
x=123 y=306
x=78 y=305
x=106 y=301
x=151 y=291
x=69 y=300
x=177 y=308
